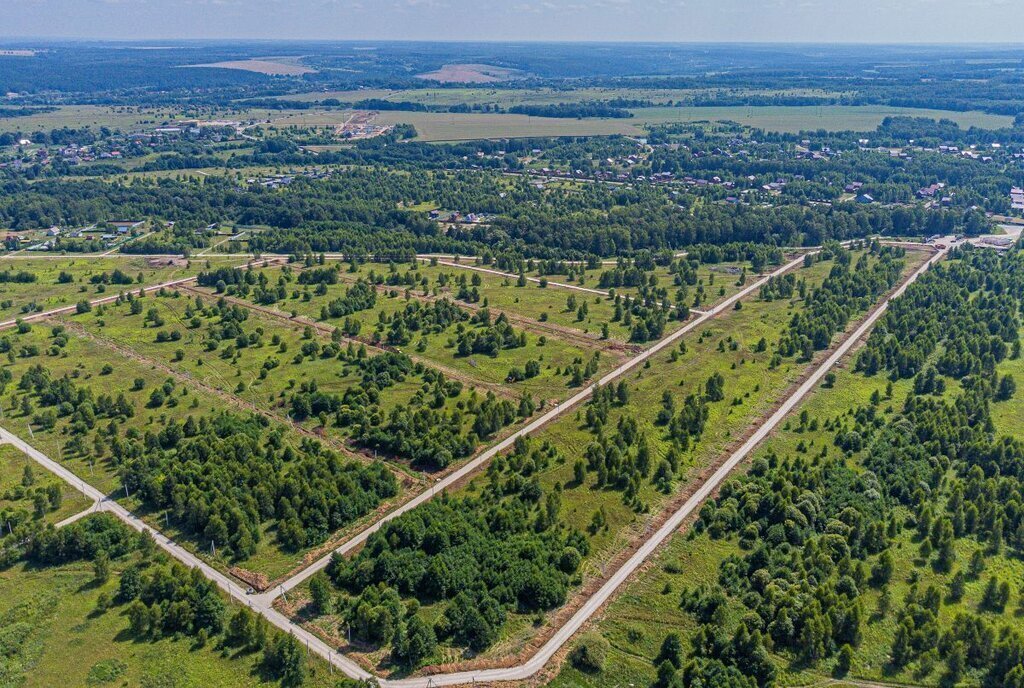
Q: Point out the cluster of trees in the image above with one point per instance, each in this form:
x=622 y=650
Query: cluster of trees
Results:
x=359 y=297
x=221 y=477
x=165 y=600
x=487 y=555
x=490 y=338
x=160 y=598
x=20 y=277
x=572 y=110
x=433 y=436
x=364 y=211
x=43 y=496
x=847 y=290
x=819 y=533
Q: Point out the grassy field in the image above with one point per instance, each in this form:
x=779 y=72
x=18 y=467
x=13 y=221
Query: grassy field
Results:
x=262 y=375
x=86 y=280
x=443 y=126
x=715 y=282
x=85 y=116
x=53 y=636
x=439 y=349
x=1007 y=415
x=648 y=608
x=269 y=65
x=16 y=496
x=109 y=371
x=828 y=117
x=725 y=345
x=507 y=97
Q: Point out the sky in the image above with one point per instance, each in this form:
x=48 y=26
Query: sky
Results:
x=806 y=21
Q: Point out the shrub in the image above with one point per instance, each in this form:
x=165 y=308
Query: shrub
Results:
x=589 y=654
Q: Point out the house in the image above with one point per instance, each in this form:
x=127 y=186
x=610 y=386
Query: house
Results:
x=53 y=231
x=931 y=190
x=126 y=224
x=1017 y=198
x=865 y=198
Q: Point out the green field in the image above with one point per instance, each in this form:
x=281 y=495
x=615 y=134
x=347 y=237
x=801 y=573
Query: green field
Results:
x=444 y=126
x=88 y=278
x=108 y=371
x=77 y=116
x=54 y=636
x=439 y=348
x=725 y=345
x=793 y=119
x=647 y=609
x=262 y=375
x=506 y=97
x=16 y=496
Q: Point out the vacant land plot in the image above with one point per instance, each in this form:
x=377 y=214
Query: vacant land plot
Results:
x=40 y=284
x=29 y=492
x=581 y=457
x=75 y=116
x=90 y=405
x=649 y=609
x=434 y=336
x=445 y=126
x=1007 y=414
x=56 y=635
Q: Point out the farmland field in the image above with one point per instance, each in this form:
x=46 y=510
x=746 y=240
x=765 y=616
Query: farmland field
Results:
x=269 y=66
x=800 y=118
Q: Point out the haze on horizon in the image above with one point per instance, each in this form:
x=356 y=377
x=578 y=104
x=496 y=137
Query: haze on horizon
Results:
x=804 y=21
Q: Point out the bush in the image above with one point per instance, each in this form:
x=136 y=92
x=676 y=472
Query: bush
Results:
x=589 y=654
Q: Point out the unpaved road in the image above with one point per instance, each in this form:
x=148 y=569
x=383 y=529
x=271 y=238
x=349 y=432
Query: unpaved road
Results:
x=263 y=603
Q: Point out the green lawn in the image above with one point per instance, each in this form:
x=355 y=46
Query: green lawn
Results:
x=1008 y=415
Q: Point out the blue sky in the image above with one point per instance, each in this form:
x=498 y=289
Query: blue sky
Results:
x=814 y=21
